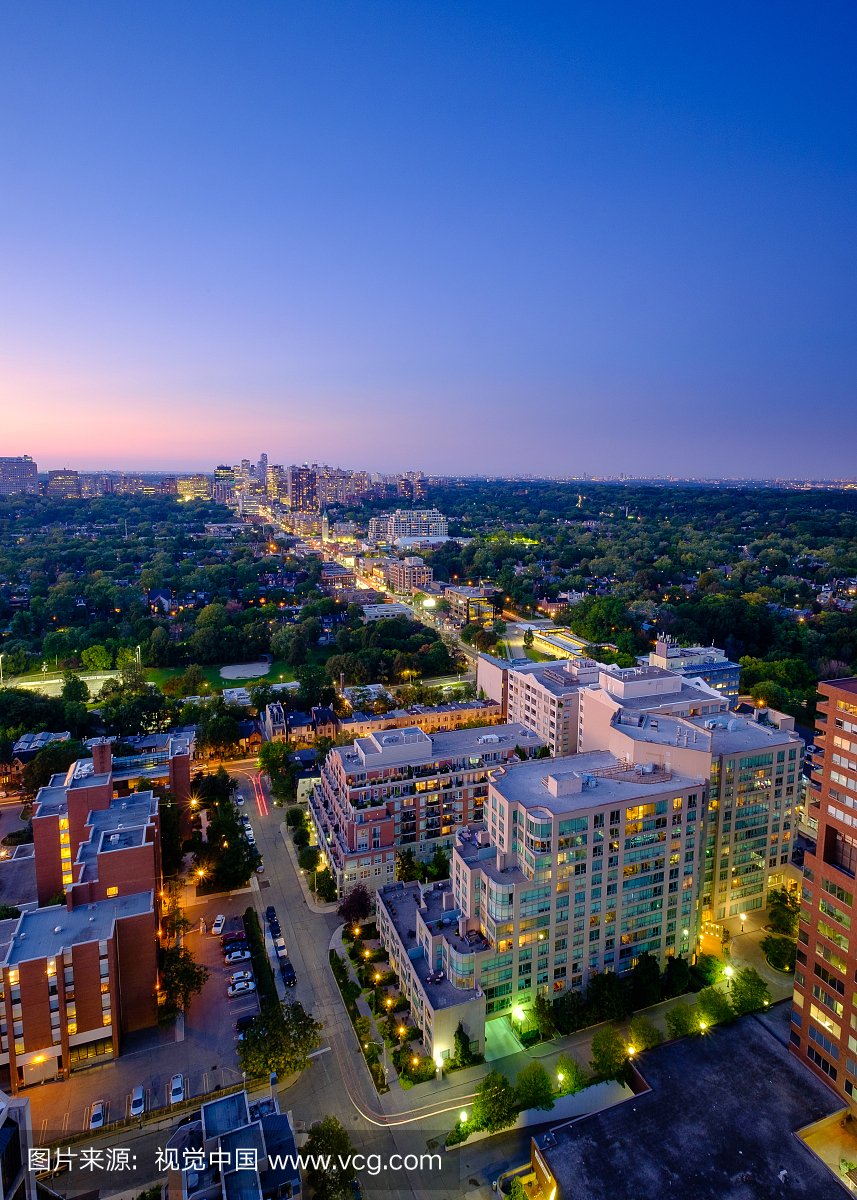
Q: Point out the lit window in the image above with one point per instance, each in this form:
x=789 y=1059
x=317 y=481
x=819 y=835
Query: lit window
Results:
x=106 y=1018
x=113 y=891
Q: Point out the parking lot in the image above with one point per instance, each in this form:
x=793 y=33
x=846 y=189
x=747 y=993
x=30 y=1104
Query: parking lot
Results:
x=204 y=1052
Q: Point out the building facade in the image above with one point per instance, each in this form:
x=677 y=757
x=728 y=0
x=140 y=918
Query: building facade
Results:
x=303 y=489
x=827 y=947
x=409 y=575
x=18 y=475
x=702 y=662
x=571 y=872
x=404 y=789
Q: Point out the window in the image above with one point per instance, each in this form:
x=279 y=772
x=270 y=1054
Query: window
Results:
x=113 y=891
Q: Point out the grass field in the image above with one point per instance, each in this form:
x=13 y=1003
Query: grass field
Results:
x=537 y=656
x=280 y=672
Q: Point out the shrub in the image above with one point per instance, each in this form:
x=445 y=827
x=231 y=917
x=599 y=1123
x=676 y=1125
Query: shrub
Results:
x=494 y=1103
x=708 y=968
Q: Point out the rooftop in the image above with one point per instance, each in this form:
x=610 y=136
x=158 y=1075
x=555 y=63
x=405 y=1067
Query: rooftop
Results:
x=719 y=1122
x=568 y=784
x=46 y=932
x=220 y=1116
x=844 y=685
x=411 y=745
x=717 y=734
x=403 y=902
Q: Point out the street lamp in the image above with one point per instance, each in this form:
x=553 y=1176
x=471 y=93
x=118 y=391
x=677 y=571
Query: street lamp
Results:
x=462 y=1116
x=743 y=919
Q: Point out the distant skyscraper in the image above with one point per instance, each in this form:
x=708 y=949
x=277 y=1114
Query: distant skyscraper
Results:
x=262 y=469
x=18 y=475
x=303 y=489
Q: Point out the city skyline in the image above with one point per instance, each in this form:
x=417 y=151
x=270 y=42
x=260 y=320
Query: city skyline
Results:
x=533 y=241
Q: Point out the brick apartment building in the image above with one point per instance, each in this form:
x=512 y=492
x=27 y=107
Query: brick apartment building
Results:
x=409 y=576
x=77 y=975
x=403 y=788
x=825 y=991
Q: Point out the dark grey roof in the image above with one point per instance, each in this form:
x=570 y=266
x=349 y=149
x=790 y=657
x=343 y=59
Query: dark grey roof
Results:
x=718 y=1123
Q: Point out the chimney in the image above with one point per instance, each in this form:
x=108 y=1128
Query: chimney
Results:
x=102 y=757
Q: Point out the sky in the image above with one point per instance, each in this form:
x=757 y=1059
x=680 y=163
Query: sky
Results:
x=456 y=237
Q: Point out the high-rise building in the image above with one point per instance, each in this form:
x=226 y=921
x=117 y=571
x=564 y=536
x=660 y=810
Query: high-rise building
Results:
x=827 y=943
x=303 y=489
x=262 y=469
x=18 y=475
x=62 y=485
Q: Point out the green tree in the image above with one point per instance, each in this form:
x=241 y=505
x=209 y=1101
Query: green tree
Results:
x=407 y=869
x=470 y=631
x=533 y=1088
x=296 y=817
x=463 y=1054
x=749 y=992
x=676 y=977
x=274 y=757
x=609 y=1053
x=182 y=978
x=783 y=910
x=528 y=639
x=608 y=997
x=301 y=837
x=517 y=1191
x=97 y=658
x=74 y=689
x=714 y=1006
x=328 y=1142
x=574 y=1077
x=193 y=680
x=308 y=858
x=646 y=981
x=280 y=1042
x=494 y=1103
x=642 y=1034
x=542 y=1014
x=325 y=886
x=438 y=867
x=682 y=1020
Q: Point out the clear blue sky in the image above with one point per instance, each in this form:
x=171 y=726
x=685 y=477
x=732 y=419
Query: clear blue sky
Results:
x=463 y=237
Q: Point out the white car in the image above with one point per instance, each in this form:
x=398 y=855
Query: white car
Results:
x=241 y=989
x=176 y=1089
x=239 y=799
x=138 y=1102
x=96 y=1117
x=236 y=956
x=219 y=922
x=240 y=976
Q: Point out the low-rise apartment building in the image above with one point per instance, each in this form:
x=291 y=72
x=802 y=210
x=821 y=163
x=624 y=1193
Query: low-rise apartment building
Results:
x=409 y=576
x=572 y=871
x=73 y=981
x=405 y=789
x=702 y=662
x=467 y=604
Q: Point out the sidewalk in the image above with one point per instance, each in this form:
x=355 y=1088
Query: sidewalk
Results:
x=311 y=901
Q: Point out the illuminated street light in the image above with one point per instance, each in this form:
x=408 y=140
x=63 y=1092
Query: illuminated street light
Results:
x=462 y=1116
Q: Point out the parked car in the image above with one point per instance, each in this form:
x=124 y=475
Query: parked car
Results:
x=240 y=976
x=219 y=922
x=96 y=1117
x=239 y=799
x=240 y=989
x=176 y=1089
x=260 y=870
x=237 y=956
x=288 y=973
x=244 y=1023
x=138 y=1101
x=229 y=938
x=271 y=913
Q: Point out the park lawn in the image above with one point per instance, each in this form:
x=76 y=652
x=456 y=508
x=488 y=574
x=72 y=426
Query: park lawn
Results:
x=537 y=656
x=280 y=672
